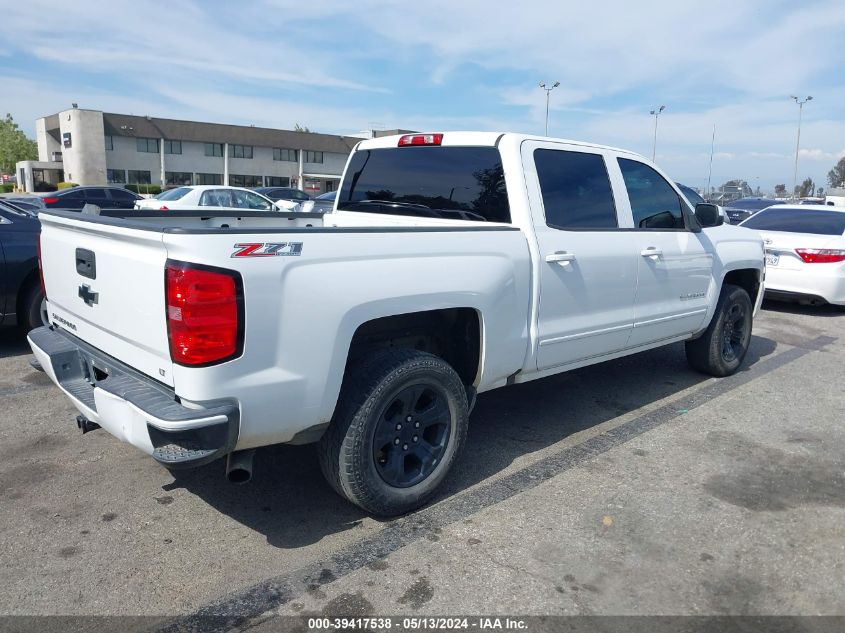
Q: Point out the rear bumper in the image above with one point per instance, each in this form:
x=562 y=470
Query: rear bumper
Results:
x=133 y=407
x=820 y=282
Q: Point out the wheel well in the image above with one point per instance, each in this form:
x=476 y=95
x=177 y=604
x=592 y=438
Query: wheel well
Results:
x=453 y=334
x=747 y=278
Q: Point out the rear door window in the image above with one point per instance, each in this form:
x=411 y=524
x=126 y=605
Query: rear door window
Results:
x=798 y=221
x=654 y=203
x=217 y=198
x=455 y=183
x=576 y=190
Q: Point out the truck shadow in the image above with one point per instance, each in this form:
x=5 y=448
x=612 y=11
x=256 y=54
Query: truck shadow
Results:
x=290 y=503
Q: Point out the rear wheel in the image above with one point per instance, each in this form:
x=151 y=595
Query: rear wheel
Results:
x=724 y=344
x=34 y=309
x=400 y=424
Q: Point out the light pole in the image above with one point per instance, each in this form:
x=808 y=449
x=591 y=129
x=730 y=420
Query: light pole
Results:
x=548 y=90
x=798 y=140
x=655 y=114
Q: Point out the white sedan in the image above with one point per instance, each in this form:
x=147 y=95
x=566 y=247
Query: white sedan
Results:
x=805 y=252
x=213 y=196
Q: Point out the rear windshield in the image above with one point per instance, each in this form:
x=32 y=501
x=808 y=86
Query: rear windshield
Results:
x=173 y=194
x=454 y=183
x=798 y=221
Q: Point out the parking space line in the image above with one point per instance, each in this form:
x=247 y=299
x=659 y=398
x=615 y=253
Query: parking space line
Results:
x=246 y=607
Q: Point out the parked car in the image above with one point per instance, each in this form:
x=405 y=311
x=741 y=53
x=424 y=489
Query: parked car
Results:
x=21 y=297
x=324 y=203
x=695 y=198
x=373 y=331
x=197 y=196
x=744 y=208
x=283 y=193
x=103 y=197
x=805 y=252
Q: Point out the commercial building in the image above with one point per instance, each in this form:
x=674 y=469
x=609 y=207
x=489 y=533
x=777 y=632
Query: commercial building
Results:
x=89 y=147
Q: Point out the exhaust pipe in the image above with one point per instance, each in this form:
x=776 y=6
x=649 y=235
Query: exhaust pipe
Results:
x=85 y=425
x=239 y=466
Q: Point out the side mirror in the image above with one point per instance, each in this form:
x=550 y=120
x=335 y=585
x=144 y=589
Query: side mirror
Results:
x=708 y=215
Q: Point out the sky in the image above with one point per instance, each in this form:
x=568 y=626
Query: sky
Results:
x=439 y=65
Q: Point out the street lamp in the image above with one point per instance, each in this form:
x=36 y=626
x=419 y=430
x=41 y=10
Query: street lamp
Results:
x=548 y=90
x=798 y=140
x=655 y=114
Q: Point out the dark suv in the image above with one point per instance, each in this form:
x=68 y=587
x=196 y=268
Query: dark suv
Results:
x=21 y=298
x=103 y=197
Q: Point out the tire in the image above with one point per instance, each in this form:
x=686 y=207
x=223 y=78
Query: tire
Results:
x=33 y=309
x=724 y=344
x=399 y=426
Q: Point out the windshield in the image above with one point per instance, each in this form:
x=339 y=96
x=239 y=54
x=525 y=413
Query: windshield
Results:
x=456 y=183
x=173 y=194
x=691 y=195
x=798 y=221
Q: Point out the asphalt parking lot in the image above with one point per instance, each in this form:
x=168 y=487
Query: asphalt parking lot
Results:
x=632 y=487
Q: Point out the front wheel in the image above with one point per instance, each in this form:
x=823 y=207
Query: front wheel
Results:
x=724 y=344
x=400 y=424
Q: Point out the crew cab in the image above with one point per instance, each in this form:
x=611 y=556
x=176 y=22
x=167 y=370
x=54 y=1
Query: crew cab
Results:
x=451 y=264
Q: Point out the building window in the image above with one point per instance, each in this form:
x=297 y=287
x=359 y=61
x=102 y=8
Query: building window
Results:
x=290 y=155
x=209 y=179
x=109 y=142
x=116 y=176
x=139 y=177
x=240 y=151
x=173 y=147
x=313 y=157
x=178 y=177
x=149 y=145
x=278 y=181
x=239 y=180
x=214 y=149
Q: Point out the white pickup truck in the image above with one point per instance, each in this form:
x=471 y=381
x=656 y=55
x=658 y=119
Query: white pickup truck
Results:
x=452 y=264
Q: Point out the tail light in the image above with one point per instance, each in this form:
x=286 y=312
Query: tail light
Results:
x=821 y=255
x=163 y=208
x=49 y=200
x=420 y=139
x=40 y=266
x=205 y=313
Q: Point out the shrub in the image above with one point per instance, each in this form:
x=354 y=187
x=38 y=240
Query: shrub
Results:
x=7 y=188
x=66 y=185
x=150 y=189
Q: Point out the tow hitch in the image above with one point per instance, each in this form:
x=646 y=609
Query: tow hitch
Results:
x=85 y=425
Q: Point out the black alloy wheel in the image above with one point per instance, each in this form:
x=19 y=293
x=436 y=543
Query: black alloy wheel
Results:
x=412 y=435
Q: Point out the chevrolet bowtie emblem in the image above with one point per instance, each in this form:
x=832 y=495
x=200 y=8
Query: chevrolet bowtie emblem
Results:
x=90 y=298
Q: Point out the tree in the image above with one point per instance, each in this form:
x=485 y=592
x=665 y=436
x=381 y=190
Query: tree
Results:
x=836 y=176
x=14 y=145
x=806 y=188
x=299 y=128
x=780 y=191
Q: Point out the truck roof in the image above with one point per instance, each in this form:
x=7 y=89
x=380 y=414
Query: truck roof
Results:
x=481 y=139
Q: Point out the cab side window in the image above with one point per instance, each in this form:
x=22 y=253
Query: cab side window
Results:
x=654 y=203
x=576 y=190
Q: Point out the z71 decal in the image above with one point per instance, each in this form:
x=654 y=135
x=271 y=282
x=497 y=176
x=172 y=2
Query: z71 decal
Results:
x=269 y=249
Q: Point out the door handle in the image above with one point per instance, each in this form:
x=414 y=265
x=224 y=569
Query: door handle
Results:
x=651 y=251
x=562 y=258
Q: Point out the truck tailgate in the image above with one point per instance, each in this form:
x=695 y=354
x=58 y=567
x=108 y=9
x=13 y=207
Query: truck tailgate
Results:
x=105 y=285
